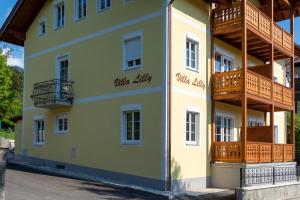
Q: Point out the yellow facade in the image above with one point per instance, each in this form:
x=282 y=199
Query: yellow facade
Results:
x=94 y=47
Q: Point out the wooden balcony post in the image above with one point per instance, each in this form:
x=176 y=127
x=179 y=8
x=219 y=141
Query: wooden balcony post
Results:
x=244 y=80
x=272 y=85
x=212 y=72
x=292 y=136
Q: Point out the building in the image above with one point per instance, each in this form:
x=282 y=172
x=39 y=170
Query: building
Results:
x=162 y=94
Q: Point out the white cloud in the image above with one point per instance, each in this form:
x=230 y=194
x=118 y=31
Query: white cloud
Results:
x=12 y=61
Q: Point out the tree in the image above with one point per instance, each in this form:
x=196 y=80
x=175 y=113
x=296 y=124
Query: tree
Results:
x=6 y=94
x=297 y=133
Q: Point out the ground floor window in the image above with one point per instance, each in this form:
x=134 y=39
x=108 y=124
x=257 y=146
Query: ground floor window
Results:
x=39 y=132
x=62 y=124
x=223 y=129
x=192 y=127
x=131 y=125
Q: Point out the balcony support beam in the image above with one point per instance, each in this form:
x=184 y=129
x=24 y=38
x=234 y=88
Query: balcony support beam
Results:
x=244 y=81
x=292 y=63
x=271 y=6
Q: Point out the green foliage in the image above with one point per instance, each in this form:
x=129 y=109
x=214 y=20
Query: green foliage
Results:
x=11 y=85
x=8 y=135
x=297 y=133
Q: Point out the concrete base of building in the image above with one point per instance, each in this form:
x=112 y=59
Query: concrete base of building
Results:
x=178 y=186
x=96 y=174
x=190 y=184
x=227 y=175
x=270 y=192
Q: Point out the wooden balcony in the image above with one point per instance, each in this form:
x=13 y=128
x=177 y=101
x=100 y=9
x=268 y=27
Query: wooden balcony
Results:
x=227 y=23
x=227 y=88
x=256 y=152
x=53 y=94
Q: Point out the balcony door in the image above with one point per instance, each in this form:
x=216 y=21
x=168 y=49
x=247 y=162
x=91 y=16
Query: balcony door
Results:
x=223 y=129
x=62 y=77
x=223 y=63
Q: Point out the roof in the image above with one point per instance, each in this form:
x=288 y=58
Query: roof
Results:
x=24 y=12
x=15 y=27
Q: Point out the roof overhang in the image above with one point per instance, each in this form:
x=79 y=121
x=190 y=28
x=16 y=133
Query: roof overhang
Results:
x=22 y=15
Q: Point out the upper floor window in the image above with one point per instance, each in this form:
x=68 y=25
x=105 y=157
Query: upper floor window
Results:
x=80 y=9
x=192 y=48
x=42 y=28
x=103 y=4
x=59 y=15
x=132 y=51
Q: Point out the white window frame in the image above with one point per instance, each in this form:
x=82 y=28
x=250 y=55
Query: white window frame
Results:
x=194 y=110
x=124 y=110
x=98 y=8
x=76 y=11
x=35 y=119
x=222 y=134
x=56 y=4
x=129 y=36
x=276 y=134
x=62 y=116
x=194 y=39
x=40 y=33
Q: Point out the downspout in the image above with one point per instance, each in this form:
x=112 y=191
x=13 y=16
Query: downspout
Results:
x=169 y=184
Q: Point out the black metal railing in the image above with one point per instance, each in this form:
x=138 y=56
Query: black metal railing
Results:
x=53 y=92
x=267 y=175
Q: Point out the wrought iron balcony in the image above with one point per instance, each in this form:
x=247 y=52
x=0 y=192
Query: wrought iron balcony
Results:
x=52 y=94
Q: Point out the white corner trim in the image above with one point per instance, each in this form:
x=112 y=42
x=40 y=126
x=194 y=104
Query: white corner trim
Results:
x=99 y=33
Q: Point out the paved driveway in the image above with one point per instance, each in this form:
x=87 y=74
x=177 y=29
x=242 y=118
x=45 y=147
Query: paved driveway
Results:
x=27 y=184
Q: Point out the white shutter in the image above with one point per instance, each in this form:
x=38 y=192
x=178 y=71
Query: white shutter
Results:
x=133 y=49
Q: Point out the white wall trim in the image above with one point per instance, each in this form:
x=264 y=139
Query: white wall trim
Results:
x=180 y=16
x=110 y=96
x=191 y=93
x=99 y=33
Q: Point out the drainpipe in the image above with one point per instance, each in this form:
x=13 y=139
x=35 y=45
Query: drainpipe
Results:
x=169 y=183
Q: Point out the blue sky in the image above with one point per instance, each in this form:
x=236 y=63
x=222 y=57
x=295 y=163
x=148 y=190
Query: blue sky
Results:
x=17 y=56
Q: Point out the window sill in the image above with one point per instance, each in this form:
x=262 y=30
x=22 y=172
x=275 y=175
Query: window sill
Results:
x=132 y=68
x=192 y=69
x=77 y=20
x=125 y=143
x=192 y=144
x=58 y=28
x=103 y=10
x=39 y=144
x=61 y=132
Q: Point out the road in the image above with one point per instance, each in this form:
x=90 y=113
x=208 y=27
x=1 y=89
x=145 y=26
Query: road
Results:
x=26 y=184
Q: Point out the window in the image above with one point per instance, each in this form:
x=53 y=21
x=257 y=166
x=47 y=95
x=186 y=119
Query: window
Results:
x=223 y=63
x=42 y=28
x=64 y=69
x=223 y=129
x=133 y=52
x=275 y=79
x=39 y=132
x=103 y=5
x=192 y=54
x=275 y=134
x=80 y=9
x=132 y=126
x=59 y=15
x=192 y=127
x=62 y=74
x=252 y=123
x=62 y=124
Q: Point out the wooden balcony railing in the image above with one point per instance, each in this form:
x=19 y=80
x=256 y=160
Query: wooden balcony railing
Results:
x=256 y=152
x=227 y=83
x=229 y=18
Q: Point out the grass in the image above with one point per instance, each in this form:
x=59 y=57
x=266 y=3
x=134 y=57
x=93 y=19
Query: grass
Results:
x=7 y=135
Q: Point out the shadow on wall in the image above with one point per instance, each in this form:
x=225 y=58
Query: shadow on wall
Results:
x=177 y=183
